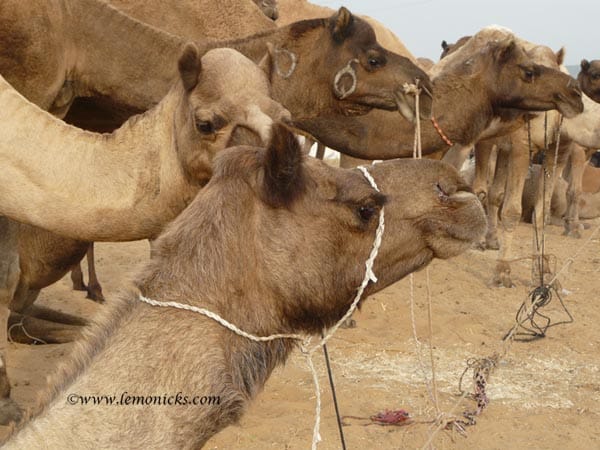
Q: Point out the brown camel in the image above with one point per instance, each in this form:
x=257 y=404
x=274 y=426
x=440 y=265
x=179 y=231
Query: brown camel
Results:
x=126 y=185
x=589 y=78
x=234 y=251
x=136 y=75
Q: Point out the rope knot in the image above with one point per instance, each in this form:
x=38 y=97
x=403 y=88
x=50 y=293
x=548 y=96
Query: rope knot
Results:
x=411 y=88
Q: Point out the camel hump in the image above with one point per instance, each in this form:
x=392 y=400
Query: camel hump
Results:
x=284 y=177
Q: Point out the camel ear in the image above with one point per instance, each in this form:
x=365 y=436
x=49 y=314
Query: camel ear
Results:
x=505 y=50
x=585 y=65
x=560 y=56
x=189 y=66
x=266 y=63
x=284 y=174
x=444 y=45
x=340 y=23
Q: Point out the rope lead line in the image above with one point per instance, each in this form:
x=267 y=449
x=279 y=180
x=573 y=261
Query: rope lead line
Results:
x=305 y=348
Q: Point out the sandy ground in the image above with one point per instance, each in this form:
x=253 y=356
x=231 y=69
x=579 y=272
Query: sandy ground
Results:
x=543 y=394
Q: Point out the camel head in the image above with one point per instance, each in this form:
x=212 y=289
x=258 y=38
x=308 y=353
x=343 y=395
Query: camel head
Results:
x=354 y=72
x=522 y=81
x=268 y=7
x=288 y=236
x=225 y=96
x=448 y=49
x=589 y=78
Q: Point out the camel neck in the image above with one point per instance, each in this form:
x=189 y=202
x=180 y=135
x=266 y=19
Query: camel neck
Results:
x=50 y=166
x=293 y=80
x=125 y=357
x=116 y=56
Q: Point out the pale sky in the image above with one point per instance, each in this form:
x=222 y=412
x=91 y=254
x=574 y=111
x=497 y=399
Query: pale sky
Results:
x=423 y=24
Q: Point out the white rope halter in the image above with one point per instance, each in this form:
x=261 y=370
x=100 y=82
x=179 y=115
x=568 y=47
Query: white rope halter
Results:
x=305 y=348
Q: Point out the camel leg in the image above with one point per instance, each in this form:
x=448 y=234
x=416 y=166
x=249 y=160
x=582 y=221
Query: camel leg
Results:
x=31 y=330
x=483 y=156
x=546 y=182
x=77 y=278
x=9 y=279
x=496 y=196
x=320 y=151
x=94 y=289
x=577 y=161
x=518 y=166
x=41 y=312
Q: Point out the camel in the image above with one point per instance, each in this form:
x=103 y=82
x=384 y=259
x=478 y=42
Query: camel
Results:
x=126 y=185
x=137 y=75
x=589 y=200
x=589 y=78
x=260 y=206
x=294 y=10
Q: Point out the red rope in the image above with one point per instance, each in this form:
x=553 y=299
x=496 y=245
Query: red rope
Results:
x=440 y=132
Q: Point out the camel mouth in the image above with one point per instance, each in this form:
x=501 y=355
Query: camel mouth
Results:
x=469 y=225
x=406 y=104
x=570 y=108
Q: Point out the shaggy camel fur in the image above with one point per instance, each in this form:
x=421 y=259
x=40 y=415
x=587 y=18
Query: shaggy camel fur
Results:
x=128 y=63
x=589 y=78
x=133 y=181
x=234 y=251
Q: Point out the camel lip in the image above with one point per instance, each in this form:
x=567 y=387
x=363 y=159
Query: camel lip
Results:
x=406 y=105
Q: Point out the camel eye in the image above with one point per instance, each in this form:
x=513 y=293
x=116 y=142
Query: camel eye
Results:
x=205 y=126
x=366 y=212
x=528 y=74
x=374 y=63
x=441 y=192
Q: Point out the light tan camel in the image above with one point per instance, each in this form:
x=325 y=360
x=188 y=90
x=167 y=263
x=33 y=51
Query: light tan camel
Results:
x=234 y=251
x=204 y=19
x=589 y=78
x=127 y=63
x=126 y=185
